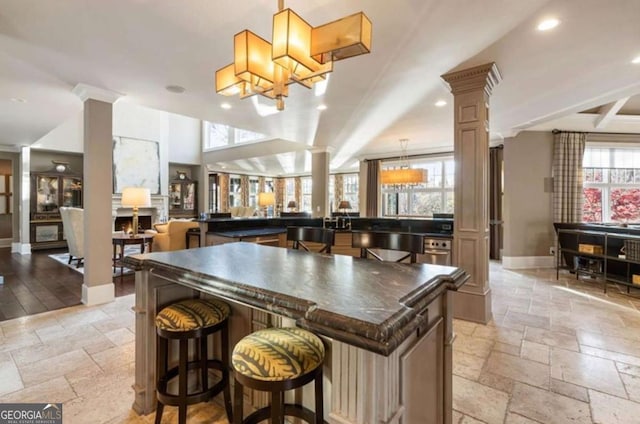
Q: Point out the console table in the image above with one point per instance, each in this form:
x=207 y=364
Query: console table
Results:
x=388 y=325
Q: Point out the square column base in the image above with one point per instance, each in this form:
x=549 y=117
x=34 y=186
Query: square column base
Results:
x=470 y=306
x=96 y=295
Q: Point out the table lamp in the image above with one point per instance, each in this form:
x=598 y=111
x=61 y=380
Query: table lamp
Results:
x=292 y=205
x=266 y=199
x=135 y=197
x=344 y=205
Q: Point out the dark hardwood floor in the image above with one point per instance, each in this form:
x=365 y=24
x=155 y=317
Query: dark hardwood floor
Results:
x=36 y=283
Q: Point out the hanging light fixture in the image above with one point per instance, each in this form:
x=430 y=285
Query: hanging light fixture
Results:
x=299 y=53
x=403 y=175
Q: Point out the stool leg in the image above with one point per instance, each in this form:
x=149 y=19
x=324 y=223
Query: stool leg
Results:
x=319 y=401
x=238 y=398
x=277 y=407
x=182 y=381
x=161 y=369
x=203 y=363
x=224 y=348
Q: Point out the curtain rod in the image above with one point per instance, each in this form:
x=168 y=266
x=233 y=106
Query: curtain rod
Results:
x=557 y=131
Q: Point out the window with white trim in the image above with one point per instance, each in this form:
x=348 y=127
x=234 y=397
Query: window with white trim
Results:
x=307 y=184
x=425 y=199
x=611 y=184
x=350 y=187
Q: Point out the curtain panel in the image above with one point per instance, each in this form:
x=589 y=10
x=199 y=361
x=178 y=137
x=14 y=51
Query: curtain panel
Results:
x=373 y=188
x=298 y=192
x=338 y=195
x=223 y=180
x=244 y=189
x=568 y=151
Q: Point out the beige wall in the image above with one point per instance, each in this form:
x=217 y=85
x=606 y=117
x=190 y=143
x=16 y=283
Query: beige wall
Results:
x=528 y=217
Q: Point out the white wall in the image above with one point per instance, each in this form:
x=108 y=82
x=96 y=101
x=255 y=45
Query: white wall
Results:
x=185 y=140
x=527 y=207
x=179 y=137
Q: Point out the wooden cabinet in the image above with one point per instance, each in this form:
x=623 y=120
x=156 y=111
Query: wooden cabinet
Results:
x=183 y=195
x=51 y=190
x=605 y=257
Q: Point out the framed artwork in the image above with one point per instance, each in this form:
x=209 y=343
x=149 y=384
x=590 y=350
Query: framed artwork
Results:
x=136 y=163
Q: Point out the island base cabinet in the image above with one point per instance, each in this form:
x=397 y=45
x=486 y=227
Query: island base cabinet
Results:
x=410 y=386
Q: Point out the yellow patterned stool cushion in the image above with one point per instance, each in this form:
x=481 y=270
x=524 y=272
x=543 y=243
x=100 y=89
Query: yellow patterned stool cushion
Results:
x=192 y=314
x=278 y=354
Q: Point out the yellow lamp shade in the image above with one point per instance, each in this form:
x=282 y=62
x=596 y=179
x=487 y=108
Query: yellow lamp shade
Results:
x=227 y=83
x=136 y=197
x=266 y=199
x=402 y=176
x=252 y=59
x=341 y=39
x=292 y=46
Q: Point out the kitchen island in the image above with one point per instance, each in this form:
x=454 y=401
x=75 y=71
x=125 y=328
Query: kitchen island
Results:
x=387 y=326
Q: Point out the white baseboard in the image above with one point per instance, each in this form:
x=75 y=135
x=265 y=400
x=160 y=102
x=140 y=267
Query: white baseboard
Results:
x=5 y=242
x=96 y=295
x=21 y=248
x=526 y=262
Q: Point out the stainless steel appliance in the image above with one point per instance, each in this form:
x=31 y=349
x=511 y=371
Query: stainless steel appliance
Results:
x=437 y=251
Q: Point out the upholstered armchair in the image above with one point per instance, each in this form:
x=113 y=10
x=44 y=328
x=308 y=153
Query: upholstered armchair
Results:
x=172 y=235
x=73 y=227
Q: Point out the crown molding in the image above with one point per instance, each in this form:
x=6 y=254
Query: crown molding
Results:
x=86 y=92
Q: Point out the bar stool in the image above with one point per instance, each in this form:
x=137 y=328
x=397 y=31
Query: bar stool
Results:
x=185 y=320
x=275 y=360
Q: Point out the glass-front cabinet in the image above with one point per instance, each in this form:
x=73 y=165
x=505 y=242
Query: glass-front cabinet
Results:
x=182 y=197
x=49 y=191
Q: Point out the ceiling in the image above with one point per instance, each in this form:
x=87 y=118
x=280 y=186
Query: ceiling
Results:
x=138 y=47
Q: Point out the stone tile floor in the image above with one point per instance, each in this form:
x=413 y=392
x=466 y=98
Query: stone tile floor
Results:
x=555 y=352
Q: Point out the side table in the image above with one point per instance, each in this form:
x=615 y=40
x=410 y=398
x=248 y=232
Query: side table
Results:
x=124 y=239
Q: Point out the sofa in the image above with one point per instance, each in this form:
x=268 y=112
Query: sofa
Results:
x=172 y=235
x=243 y=211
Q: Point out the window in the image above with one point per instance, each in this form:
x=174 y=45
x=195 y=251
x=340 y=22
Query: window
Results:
x=306 y=194
x=221 y=135
x=425 y=199
x=350 y=184
x=254 y=182
x=289 y=191
x=235 y=195
x=611 y=184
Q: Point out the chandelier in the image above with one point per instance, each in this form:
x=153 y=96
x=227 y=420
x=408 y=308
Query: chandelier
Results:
x=299 y=53
x=404 y=175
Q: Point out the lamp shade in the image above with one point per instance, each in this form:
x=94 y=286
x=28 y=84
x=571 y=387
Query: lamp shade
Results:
x=341 y=39
x=266 y=199
x=136 y=197
x=344 y=204
x=252 y=60
x=292 y=204
x=402 y=176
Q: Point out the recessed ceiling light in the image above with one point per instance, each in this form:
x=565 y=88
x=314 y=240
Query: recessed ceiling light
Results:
x=175 y=89
x=18 y=100
x=226 y=106
x=322 y=107
x=440 y=103
x=636 y=61
x=548 y=24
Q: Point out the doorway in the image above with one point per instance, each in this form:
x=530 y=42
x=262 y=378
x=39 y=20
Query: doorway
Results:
x=6 y=202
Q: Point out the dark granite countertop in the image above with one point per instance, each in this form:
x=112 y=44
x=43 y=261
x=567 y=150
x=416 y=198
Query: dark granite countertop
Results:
x=369 y=304
x=250 y=232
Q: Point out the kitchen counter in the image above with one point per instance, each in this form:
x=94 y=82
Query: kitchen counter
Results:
x=388 y=315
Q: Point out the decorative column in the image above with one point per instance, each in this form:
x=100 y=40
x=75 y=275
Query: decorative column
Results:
x=24 y=245
x=320 y=158
x=97 y=193
x=471 y=89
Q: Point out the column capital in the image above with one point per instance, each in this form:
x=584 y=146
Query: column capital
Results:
x=86 y=92
x=482 y=77
x=321 y=149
